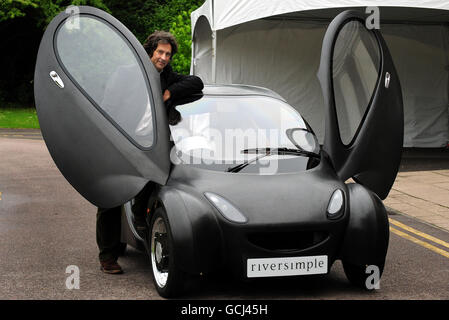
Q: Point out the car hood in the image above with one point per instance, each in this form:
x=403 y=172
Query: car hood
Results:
x=293 y=198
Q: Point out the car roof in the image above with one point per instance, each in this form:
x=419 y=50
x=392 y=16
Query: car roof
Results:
x=239 y=90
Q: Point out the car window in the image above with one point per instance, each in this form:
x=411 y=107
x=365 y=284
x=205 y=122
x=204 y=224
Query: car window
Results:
x=355 y=65
x=216 y=129
x=102 y=63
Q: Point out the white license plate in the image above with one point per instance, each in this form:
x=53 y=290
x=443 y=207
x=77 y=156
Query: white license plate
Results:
x=288 y=266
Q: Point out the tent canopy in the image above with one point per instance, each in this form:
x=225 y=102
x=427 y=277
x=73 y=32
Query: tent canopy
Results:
x=222 y=14
x=277 y=44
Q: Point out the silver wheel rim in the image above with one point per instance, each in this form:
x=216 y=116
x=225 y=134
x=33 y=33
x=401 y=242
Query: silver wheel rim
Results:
x=156 y=252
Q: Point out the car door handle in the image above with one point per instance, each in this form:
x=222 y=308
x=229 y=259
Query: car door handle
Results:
x=387 y=80
x=55 y=77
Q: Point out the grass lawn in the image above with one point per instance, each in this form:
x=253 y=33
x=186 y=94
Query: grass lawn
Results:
x=18 y=118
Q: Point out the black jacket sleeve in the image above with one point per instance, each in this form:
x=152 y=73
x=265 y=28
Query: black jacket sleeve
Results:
x=179 y=85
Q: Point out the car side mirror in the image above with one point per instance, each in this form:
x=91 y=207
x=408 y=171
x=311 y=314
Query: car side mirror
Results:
x=303 y=139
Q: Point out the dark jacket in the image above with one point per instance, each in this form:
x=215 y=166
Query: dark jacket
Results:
x=179 y=85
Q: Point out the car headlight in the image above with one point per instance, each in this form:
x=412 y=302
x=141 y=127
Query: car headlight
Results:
x=225 y=208
x=335 y=207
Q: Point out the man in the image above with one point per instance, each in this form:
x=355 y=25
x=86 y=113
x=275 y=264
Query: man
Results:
x=161 y=47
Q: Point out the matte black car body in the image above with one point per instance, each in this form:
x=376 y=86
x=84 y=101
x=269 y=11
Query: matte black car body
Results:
x=282 y=220
x=286 y=213
x=297 y=226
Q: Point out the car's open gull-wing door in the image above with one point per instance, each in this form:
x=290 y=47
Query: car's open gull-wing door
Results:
x=99 y=103
x=363 y=100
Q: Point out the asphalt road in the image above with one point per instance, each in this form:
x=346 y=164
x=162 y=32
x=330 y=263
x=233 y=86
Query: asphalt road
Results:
x=46 y=226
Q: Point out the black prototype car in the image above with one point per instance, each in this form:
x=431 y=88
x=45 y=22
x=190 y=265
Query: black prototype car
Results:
x=275 y=204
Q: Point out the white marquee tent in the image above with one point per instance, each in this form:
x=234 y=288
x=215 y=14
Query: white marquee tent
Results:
x=277 y=44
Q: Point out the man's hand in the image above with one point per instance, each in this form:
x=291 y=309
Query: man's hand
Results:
x=166 y=95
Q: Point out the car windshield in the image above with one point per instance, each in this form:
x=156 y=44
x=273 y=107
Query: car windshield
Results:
x=215 y=131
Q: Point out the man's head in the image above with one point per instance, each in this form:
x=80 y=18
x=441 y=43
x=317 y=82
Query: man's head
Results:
x=161 y=46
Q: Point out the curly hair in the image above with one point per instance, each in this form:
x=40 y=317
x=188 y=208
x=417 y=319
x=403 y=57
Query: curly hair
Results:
x=157 y=37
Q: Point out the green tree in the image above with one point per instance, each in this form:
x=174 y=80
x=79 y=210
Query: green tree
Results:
x=10 y=9
x=136 y=15
x=143 y=17
x=51 y=8
x=22 y=23
x=181 y=29
x=175 y=17
x=42 y=11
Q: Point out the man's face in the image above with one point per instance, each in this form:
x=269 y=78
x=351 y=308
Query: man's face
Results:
x=161 y=56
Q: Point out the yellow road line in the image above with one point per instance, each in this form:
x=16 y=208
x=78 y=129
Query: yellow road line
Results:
x=20 y=134
x=420 y=242
x=419 y=233
x=0 y=196
x=13 y=135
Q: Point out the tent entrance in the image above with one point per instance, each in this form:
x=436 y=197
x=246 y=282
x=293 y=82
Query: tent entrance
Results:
x=281 y=52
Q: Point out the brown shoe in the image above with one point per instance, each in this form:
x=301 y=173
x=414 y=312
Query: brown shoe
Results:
x=111 y=267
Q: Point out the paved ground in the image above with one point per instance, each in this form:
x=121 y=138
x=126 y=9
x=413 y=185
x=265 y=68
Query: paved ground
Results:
x=34 y=134
x=423 y=194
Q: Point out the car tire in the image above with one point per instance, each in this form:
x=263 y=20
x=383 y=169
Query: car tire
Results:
x=357 y=274
x=167 y=278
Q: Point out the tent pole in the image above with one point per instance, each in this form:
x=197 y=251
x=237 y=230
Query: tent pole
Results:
x=214 y=56
x=214 y=44
x=192 y=54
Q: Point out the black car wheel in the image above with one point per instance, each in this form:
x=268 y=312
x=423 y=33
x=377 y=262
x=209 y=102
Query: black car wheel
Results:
x=168 y=279
x=357 y=274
